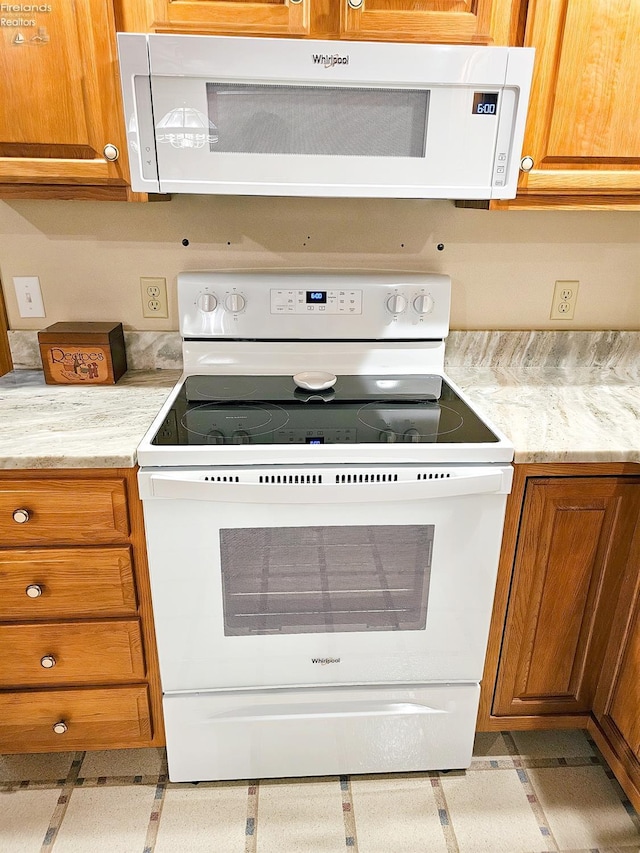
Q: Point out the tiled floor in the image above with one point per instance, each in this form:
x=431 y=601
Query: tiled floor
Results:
x=524 y=792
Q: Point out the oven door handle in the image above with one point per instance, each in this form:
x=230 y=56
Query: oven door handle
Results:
x=182 y=487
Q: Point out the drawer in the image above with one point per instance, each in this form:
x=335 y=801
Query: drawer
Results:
x=37 y=512
x=58 y=583
x=70 y=653
x=95 y=718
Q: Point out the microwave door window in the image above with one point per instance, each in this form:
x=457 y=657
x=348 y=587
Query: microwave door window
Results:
x=314 y=120
x=295 y=580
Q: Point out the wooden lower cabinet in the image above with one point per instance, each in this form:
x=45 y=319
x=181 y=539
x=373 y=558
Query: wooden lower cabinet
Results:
x=60 y=720
x=78 y=664
x=616 y=709
x=564 y=646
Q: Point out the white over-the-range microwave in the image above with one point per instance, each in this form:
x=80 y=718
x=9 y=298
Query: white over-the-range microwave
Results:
x=292 y=117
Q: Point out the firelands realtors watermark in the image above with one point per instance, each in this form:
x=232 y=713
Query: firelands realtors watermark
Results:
x=17 y=10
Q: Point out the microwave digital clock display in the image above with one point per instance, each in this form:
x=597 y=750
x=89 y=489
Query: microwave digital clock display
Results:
x=485 y=103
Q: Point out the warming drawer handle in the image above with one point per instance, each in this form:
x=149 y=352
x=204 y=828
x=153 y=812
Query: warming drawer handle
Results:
x=182 y=487
x=313 y=711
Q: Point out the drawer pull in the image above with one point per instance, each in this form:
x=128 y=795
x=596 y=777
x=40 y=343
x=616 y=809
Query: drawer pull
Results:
x=60 y=728
x=21 y=516
x=34 y=590
x=48 y=661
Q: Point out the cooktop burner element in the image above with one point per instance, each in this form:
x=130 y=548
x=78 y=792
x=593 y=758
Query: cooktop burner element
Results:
x=356 y=410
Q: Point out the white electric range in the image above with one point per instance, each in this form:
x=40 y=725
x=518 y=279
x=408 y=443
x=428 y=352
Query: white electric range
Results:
x=323 y=549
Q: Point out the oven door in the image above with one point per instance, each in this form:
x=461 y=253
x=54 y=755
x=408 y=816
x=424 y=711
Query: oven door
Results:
x=322 y=575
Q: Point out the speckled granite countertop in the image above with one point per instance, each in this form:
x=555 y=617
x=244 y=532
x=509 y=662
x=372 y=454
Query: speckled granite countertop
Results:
x=63 y=426
x=560 y=397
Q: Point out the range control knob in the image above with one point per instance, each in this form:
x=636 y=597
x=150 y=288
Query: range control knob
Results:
x=207 y=302
x=240 y=437
x=388 y=435
x=423 y=303
x=214 y=436
x=235 y=302
x=396 y=303
x=412 y=435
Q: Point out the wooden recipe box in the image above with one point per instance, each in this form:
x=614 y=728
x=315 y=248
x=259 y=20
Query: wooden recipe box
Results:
x=83 y=353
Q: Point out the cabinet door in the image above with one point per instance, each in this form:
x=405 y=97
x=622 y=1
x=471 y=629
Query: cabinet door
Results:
x=449 y=21
x=59 y=99
x=624 y=706
x=452 y=21
x=617 y=703
x=583 y=130
x=215 y=17
x=573 y=547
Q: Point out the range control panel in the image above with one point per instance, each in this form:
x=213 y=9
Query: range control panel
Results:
x=318 y=301
x=307 y=306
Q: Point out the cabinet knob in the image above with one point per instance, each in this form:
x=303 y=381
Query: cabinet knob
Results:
x=21 y=516
x=48 y=661
x=526 y=164
x=355 y=4
x=110 y=152
x=60 y=728
x=34 y=590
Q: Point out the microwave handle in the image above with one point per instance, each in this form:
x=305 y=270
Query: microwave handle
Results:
x=182 y=487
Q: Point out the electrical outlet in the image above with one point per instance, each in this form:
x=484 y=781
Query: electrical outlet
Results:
x=565 y=294
x=154 y=297
x=29 y=296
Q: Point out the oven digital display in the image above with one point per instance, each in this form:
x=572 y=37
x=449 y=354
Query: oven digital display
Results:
x=316 y=297
x=317 y=439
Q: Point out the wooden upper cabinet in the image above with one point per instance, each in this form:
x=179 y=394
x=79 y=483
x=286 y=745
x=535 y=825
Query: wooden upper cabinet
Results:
x=439 y=21
x=448 y=21
x=217 y=17
x=583 y=129
x=60 y=101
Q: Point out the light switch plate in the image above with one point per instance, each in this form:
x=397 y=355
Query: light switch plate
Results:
x=29 y=296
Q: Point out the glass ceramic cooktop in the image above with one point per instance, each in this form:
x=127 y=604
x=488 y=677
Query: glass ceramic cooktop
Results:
x=356 y=410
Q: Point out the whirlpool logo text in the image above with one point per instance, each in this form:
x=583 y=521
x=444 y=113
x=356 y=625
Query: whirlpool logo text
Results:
x=325 y=661
x=329 y=61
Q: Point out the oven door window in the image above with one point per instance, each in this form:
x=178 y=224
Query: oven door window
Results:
x=297 y=580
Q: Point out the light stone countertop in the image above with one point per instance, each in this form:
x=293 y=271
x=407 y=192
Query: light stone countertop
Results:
x=581 y=405
x=552 y=416
x=64 y=426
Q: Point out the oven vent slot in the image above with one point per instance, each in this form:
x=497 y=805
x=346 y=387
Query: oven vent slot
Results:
x=366 y=478
x=434 y=475
x=290 y=479
x=223 y=479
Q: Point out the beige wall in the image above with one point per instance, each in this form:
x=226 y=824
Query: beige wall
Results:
x=90 y=255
